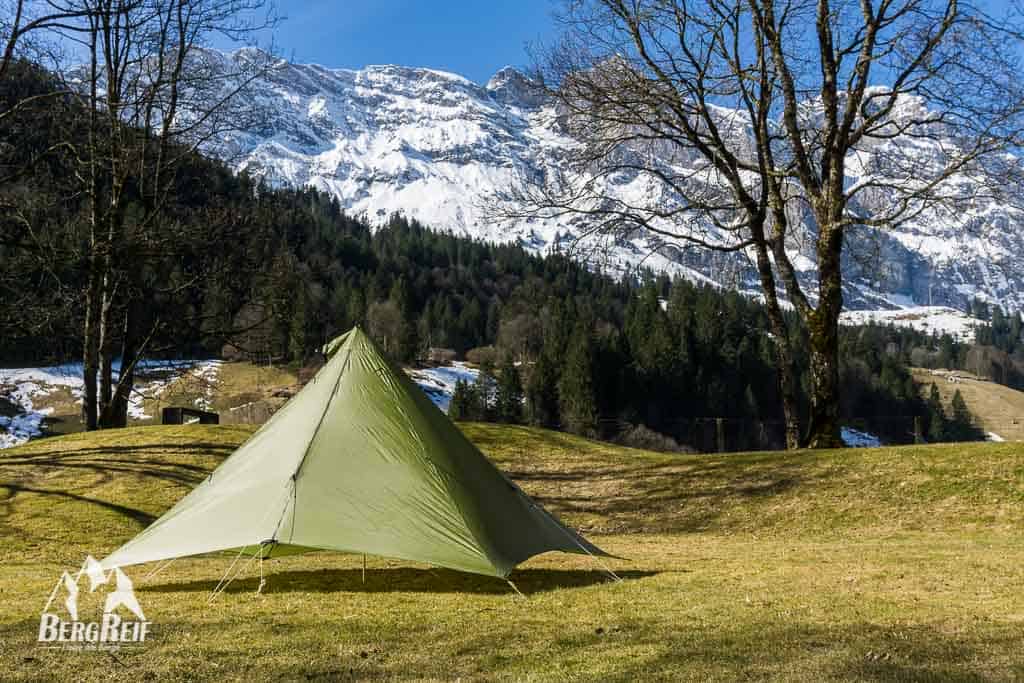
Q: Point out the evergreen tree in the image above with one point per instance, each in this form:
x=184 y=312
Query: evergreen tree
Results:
x=356 y=309
x=509 y=393
x=960 y=411
x=936 y=416
x=576 y=402
x=542 y=392
x=963 y=427
x=486 y=389
x=399 y=295
x=463 y=405
x=297 y=337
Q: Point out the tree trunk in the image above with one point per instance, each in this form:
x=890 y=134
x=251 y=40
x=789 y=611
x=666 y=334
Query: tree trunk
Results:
x=785 y=372
x=90 y=350
x=118 y=412
x=90 y=359
x=823 y=331
x=106 y=354
x=108 y=296
x=788 y=390
x=823 y=426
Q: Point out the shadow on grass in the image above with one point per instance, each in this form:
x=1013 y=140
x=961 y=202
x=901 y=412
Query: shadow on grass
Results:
x=402 y=579
x=165 y=462
x=190 y=448
x=913 y=653
x=685 y=496
x=43 y=472
x=183 y=474
x=143 y=518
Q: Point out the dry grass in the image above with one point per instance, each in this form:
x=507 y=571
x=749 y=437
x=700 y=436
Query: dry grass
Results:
x=997 y=408
x=236 y=384
x=888 y=564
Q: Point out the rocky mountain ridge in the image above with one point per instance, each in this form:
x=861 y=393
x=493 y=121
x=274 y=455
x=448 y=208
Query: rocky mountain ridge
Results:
x=435 y=146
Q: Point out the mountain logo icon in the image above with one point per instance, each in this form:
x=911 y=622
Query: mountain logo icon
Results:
x=113 y=627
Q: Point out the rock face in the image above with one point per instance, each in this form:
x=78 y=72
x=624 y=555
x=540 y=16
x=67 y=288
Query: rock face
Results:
x=435 y=146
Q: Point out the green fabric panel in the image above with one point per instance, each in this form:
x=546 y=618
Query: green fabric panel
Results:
x=359 y=461
x=244 y=499
x=389 y=474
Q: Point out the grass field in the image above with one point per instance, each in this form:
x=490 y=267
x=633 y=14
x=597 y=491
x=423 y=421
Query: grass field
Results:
x=884 y=564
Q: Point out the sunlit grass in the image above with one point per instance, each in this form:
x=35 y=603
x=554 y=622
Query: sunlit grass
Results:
x=884 y=564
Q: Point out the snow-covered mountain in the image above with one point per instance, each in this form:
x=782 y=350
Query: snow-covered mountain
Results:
x=435 y=146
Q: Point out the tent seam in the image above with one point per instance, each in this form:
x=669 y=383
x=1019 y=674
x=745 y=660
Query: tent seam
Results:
x=305 y=453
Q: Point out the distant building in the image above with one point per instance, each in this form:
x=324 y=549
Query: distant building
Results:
x=436 y=354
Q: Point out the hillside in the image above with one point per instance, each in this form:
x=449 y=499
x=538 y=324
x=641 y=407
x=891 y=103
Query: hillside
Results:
x=878 y=564
x=46 y=401
x=998 y=409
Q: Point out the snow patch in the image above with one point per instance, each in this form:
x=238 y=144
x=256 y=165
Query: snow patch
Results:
x=927 y=319
x=439 y=383
x=23 y=387
x=858 y=439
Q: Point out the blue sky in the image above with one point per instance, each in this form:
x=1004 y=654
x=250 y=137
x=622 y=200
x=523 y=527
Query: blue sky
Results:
x=472 y=38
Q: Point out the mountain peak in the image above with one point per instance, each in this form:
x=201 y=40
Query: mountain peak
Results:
x=512 y=87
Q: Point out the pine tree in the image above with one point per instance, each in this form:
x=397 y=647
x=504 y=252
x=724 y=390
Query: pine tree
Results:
x=960 y=411
x=962 y=427
x=356 y=309
x=509 y=393
x=463 y=403
x=542 y=392
x=493 y=321
x=399 y=294
x=297 y=337
x=576 y=401
x=936 y=416
x=486 y=387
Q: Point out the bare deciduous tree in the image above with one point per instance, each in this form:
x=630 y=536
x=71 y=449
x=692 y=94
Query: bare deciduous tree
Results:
x=154 y=93
x=25 y=26
x=746 y=120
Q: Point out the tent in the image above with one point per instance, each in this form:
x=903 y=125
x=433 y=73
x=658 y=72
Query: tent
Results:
x=359 y=461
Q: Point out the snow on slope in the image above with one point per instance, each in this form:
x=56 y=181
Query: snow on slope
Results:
x=25 y=387
x=438 y=383
x=938 y=319
x=435 y=146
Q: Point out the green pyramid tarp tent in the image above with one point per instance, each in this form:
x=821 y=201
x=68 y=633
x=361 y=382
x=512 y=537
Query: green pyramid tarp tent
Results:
x=359 y=461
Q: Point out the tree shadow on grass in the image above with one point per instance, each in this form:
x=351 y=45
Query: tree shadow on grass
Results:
x=914 y=653
x=403 y=579
x=143 y=518
x=190 y=448
x=687 y=495
x=42 y=472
